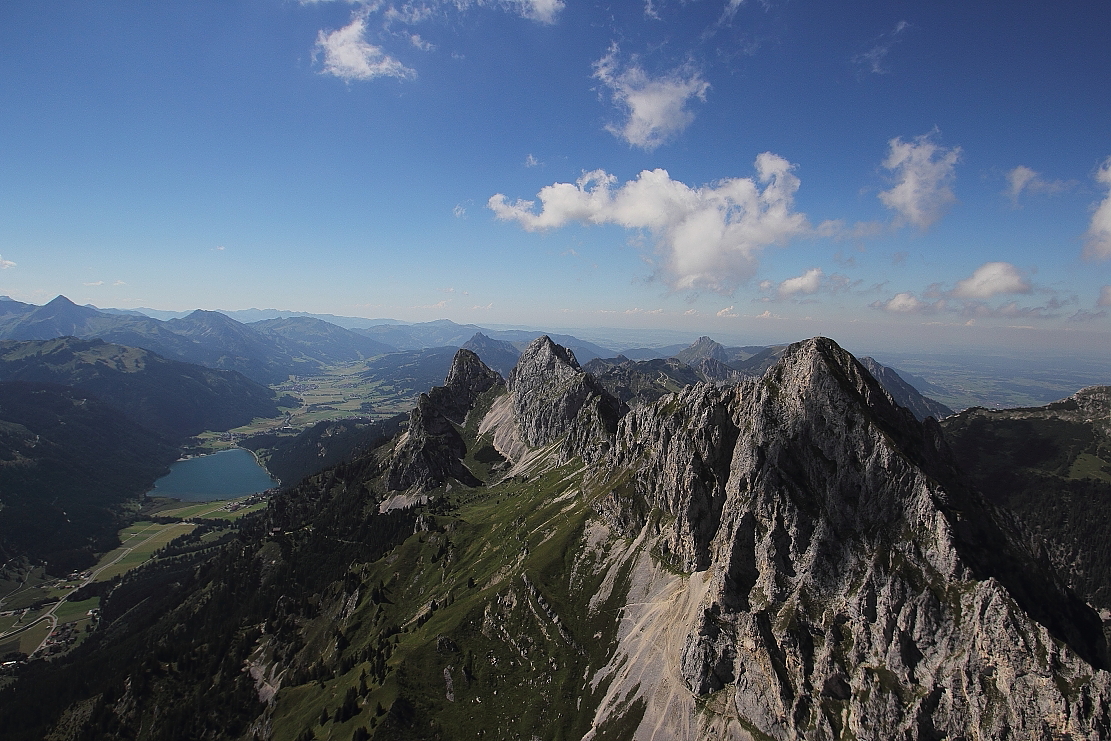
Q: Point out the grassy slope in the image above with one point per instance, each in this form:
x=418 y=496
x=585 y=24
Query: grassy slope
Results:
x=457 y=596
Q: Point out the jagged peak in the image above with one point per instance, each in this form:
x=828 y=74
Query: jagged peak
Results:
x=468 y=371
x=806 y=365
x=703 y=347
x=544 y=358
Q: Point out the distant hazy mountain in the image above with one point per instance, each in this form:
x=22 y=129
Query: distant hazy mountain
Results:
x=267 y=353
x=170 y=397
x=270 y=349
x=736 y=357
x=410 y=372
x=319 y=340
x=501 y=355
x=445 y=333
x=67 y=460
x=651 y=353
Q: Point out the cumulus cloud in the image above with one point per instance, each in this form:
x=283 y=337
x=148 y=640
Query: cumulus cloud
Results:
x=1097 y=240
x=875 y=58
x=349 y=56
x=5 y=264
x=531 y=161
x=710 y=237
x=906 y=303
x=1104 y=296
x=460 y=211
x=992 y=279
x=1023 y=179
x=727 y=313
x=655 y=108
x=923 y=174
x=808 y=282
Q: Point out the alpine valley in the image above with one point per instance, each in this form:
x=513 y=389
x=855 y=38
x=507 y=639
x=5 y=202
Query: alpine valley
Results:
x=745 y=543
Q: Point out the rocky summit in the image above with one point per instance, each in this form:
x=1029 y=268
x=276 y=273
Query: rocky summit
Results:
x=789 y=557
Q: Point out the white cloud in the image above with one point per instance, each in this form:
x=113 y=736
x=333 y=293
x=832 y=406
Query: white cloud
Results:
x=1023 y=179
x=727 y=313
x=94 y=283
x=730 y=10
x=437 y=305
x=1097 y=240
x=905 y=303
x=5 y=264
x=1104 y=296
x=655 y=108
x=349 y=56
x=923 y=172
x=808 y=282
x=992 y=279
x=531 y=161
x=875 y=57
x=459 y=211
x=711 y=237
x=407 y=14
x=418 y=42
x=541 y=11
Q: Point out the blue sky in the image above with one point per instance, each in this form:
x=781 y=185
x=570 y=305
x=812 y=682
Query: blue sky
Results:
x=934 y=175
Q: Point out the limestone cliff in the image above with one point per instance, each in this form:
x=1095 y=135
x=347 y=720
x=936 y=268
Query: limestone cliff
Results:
x=431 y=450
x=843 y=581
x=553 y=398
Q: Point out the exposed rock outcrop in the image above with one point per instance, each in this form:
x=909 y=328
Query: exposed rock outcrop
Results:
x=554 y=398
x=851 y=584
x=431 y=450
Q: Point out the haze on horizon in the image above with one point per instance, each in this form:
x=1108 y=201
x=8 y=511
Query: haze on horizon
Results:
x=888 y=173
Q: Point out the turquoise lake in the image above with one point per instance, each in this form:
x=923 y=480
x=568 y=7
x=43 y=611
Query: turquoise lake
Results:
x=224 y=475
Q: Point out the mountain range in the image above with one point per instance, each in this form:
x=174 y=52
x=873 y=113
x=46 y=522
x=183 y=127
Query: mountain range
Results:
x=783 y=557
x=169 y=397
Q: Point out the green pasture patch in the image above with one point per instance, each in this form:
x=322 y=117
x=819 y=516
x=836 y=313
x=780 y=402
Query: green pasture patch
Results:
x=69 y=612
x=1088 y=466
x=30 y=639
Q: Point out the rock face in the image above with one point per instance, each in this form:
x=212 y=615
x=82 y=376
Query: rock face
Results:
x=554 y=398
x=921 y=406
x=854 y=586
x=432 y=449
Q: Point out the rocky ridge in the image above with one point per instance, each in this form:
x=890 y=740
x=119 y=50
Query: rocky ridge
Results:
x=552 y=398
x=921 y=406
x=847 y=582
x=431 y=450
